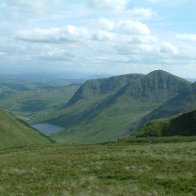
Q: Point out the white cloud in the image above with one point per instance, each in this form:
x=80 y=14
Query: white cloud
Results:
x=187 y=37
x=20 y=10
x=119 y=41
x=33 y=4
x=108 y=4
x=145 y=13
x=36 y=4
x=125 y=32
x=39 y=34
x=67 y=33
x=168 y=48
x=124 y=27
x=154 y=1
x=101 y=35
x=107 y=30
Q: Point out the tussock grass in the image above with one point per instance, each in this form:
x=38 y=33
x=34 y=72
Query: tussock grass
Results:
x=111 y=169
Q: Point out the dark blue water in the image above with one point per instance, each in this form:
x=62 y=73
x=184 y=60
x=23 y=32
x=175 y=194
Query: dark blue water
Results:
x=47 y=129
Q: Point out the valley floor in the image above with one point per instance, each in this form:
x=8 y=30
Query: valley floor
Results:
x=122 y=168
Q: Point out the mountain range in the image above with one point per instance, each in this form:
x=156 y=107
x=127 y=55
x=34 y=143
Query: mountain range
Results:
x=106 y=109
x=101 y=110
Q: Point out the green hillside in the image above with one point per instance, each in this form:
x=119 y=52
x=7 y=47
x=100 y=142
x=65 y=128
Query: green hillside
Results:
x=184 y=125
x=14 y=132
x=99 y=113
x=181 y=103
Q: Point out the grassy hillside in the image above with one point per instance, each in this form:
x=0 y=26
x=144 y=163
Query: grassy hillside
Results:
x=90 y=119
x=181 y=103
x=16 y=133
x=184 y=124
x=166 y=169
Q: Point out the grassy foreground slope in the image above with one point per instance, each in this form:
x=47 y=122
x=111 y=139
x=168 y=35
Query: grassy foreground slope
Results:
x=184 y=125
x=108 y=118
x=16 y=133
x=166 y=169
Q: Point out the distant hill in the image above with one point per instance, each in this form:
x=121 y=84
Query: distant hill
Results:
x=34 y=95
x=101 y=110
x=14 y=132
x=182 y=102
x=184 y=125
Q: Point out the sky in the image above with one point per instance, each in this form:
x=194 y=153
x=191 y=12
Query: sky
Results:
x=98 y=36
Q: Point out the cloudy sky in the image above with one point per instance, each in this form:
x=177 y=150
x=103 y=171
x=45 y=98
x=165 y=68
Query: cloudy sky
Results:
x=99 y=36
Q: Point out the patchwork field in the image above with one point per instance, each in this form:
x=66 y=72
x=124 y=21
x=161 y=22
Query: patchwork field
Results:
x=121 y=168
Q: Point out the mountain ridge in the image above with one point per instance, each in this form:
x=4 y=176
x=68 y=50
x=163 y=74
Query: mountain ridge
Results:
x=96 y=118
x=102 y=86
x=182 y=102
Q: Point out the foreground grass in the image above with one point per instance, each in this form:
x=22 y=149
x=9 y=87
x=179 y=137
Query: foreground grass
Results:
x=112 y=169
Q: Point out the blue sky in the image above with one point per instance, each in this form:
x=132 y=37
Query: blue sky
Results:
x=99 y=36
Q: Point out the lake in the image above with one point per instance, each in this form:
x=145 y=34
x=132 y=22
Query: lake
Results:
x=47 y=128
